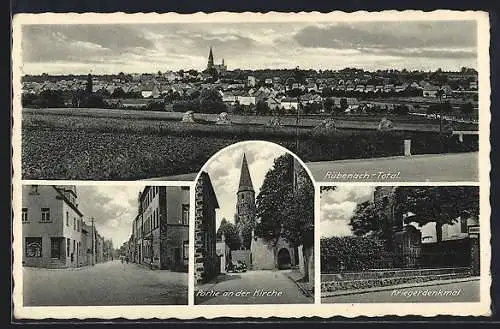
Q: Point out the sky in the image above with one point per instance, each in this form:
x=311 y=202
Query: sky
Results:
x=113 y=207
x=225 y=167
x=147 y=48
x=337 y=208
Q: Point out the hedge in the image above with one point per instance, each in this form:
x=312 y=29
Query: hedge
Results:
x=351 y=254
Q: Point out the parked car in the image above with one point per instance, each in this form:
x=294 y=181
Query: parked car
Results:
x=237 y=267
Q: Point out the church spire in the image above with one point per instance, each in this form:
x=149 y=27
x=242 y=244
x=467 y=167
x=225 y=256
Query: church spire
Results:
x=210 y=63
x=245 y=179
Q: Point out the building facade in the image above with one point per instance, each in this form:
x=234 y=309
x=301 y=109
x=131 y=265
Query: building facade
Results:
x=52 y=223
x=160 y=236
x=205 y=258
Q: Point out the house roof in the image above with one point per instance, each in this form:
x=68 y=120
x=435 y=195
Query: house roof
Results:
x=61 y=194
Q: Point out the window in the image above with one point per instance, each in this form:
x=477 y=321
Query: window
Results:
x=74 y=245
x=185 y=250
x=24 y=215
x=33 y=247
x=68 y=242
x=185 y=214
x=45 y=214
x=74 y=223
x=67 y=218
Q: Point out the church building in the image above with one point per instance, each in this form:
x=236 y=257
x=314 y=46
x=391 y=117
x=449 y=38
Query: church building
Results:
x=219 y=68
x=245 y=205
x=258 y=253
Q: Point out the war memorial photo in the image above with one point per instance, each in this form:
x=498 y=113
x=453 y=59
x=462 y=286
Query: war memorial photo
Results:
x=105 y=245
x=391 y=244
x=156 y=101
x=254 y=228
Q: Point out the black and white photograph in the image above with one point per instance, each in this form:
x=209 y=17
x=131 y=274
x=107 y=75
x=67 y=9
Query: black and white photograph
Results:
x=254 y=228
x=394 y=100
x=299 y=164
x=396 y=244
x=105 y=245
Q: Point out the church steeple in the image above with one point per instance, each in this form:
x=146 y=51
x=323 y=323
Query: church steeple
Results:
x=210 y=63
x=245 y=179
x=245 y=206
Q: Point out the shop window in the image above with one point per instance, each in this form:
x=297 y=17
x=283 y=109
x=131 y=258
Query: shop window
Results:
x=33 y=246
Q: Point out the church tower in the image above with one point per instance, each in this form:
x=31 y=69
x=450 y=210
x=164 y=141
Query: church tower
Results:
x=210 y=63
x=245 y=204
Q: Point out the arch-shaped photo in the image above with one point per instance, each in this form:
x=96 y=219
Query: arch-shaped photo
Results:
x=254 y=227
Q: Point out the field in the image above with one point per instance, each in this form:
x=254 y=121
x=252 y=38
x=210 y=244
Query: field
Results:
x=62 y=146
x=359 y=121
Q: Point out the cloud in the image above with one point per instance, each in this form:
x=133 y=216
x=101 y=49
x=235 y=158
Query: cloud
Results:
x=337 y=208
x=111 y=48
x=113 y=208
x=390 y=35
x=225 y=167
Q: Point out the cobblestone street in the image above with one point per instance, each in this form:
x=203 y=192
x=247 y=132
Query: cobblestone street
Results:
x=111 y=283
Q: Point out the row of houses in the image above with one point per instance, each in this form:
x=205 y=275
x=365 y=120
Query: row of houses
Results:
x=160 y=231
x=55 y=234
x=153 y=86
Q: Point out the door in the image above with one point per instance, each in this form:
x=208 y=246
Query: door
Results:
x=284 y=259
x=177 y=257
x=55 y=248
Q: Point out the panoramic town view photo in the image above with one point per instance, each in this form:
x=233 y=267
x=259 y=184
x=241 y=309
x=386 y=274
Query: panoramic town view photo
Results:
x=104 y=245
x=254 y=228
x=155 y=101
x=391 y=244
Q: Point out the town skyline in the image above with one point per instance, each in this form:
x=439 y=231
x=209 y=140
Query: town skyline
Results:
x=113 y=48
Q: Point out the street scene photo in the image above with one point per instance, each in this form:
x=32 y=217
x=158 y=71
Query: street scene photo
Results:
x=97 y=245
x=359 y=101
x=396 y=244
x=254 y=228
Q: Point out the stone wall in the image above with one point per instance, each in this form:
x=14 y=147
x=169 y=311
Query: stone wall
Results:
x=205 y=257
x=263 y=257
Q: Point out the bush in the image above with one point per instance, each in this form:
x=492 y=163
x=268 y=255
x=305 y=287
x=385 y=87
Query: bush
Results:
x=351 y=254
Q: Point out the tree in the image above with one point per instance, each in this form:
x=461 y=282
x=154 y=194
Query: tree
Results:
x=467 y=109
x=285 y=208
x=329 y=105
x=261 y=108
x=118 y=93
x=440 y=204
x=447 y=108
x=88 y=86
x=366 y=219
x=401 y=109
x=343 y=104
x=211 y=101
x=49 y=98
x=230 y=234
